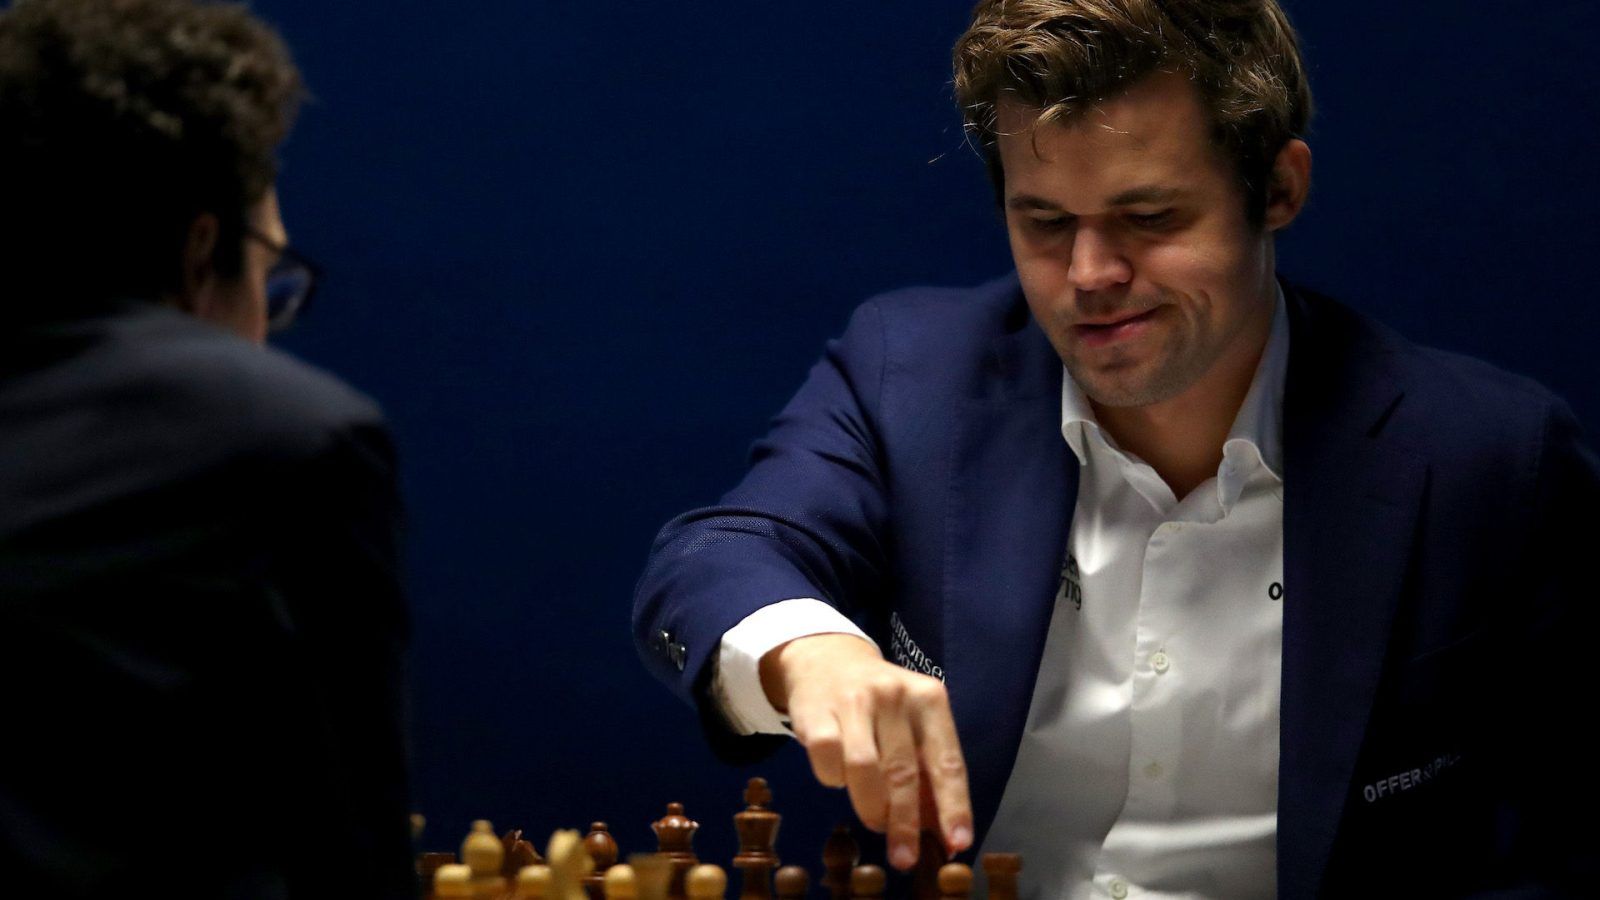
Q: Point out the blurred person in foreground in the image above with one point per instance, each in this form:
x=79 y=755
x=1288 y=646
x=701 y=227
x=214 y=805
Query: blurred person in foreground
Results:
x=1175 y=576
x=201 y=623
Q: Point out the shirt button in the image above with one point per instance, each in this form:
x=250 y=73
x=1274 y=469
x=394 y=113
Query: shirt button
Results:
x=1160 y=662
x=1153 y=770
x=1119 y=888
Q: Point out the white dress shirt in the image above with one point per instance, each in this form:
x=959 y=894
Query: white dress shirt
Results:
x=1149 y=763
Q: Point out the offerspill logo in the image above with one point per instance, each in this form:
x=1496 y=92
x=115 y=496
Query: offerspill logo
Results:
x=906 y=652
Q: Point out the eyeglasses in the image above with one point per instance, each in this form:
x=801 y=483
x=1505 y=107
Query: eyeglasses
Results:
x=290 y=283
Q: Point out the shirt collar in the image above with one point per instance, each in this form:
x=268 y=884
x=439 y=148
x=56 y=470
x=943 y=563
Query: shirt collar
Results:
x=1257 y=433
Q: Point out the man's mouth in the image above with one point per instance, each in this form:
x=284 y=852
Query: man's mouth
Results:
x=1111 y=330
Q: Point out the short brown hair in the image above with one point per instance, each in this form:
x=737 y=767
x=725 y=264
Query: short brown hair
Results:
x=1062 y=56
x=120 y=121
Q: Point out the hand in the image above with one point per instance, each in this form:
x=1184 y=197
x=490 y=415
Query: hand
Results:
x=882 y=731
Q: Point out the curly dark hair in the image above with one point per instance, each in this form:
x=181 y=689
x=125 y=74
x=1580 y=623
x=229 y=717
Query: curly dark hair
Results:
x=1062 y=56
x=122 y=120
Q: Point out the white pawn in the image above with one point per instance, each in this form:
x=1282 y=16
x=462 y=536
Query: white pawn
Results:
x=533 y=883
x=569 y=863
x=484 y=853
x=706 y=882
x=620 y=883
x=452 y=880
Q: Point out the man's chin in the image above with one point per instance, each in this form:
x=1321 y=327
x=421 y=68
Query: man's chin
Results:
x=1127 y=392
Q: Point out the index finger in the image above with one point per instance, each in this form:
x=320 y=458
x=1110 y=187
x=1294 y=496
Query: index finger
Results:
x=942 y=760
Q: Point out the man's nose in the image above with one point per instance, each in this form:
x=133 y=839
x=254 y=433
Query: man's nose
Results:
x=1097 y=263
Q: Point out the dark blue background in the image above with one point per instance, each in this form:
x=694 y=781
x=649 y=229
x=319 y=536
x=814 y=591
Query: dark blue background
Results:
x=582 y=251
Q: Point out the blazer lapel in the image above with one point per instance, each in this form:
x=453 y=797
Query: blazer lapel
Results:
x=1351 y=502
x=1012 y=489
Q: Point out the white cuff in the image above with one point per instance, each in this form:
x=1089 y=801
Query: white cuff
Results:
x=736 y=683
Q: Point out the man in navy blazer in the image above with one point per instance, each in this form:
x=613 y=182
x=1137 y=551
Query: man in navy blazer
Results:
x=1433 y=511
x=202 y=625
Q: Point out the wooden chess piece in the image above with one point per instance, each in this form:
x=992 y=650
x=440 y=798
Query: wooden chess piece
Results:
x=758 y=838
x=706 y=882
x=452 y=880
x=839 y=856
x=569 y=862
x=955 y=881
x=620 y=883
x=427 y=865
x=602 y=849
x=675 y=840
x=533 y=882
x=652 y=873
x=792 y=883
x=1002 y=869
x=520 y=854
x=868 y=882
x=483 y=853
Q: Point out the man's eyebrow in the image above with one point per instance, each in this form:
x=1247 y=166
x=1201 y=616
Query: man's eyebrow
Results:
x=1146 y=194
x=1028 y=201
x=1130 y=197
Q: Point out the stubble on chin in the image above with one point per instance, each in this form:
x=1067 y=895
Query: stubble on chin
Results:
x=1126 y=380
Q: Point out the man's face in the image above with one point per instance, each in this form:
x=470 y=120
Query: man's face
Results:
x=240 y=303
x=1129 y=232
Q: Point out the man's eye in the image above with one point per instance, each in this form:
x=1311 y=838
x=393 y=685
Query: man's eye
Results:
x=1152 y=220
x=1058 y=223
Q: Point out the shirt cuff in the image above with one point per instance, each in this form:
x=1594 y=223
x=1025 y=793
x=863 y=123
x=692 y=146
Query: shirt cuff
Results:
x=736 y=683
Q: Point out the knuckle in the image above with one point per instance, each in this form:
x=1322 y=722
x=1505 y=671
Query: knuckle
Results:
x=861 y=759
x=928 y=691
x=820 y=741
x=888 y=688
x=950 y=765
x=900 y=774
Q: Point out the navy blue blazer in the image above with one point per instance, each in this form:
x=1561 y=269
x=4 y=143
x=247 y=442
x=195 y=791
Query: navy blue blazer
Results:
x=202 y=626
x=1436 y=615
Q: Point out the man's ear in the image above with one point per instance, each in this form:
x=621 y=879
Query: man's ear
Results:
x=199 y=266
x=1291 y=184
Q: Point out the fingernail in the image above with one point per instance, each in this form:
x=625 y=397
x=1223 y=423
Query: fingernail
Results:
x=961 y=837
x=903 y=857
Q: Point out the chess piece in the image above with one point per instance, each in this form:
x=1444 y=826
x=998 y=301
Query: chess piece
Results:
x=868 y=882
x=569 y=863
x=427 y=865
x=533 y=882
x=453 y=880
x=652 y=873
x=706 y=882
x=1002 y=869
x=792 y=883
x=620 y=883
x=519 y=854
x=758 y=836
x=602 y=849
x=675 y=840
x=839 y=855
x=955 y=881
x=483 y=853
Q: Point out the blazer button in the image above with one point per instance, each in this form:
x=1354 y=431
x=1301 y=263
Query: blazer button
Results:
x=679 y=654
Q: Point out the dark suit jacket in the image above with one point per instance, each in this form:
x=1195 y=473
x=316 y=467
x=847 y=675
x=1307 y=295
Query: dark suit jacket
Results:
x=1436 y=619
x=200 y=621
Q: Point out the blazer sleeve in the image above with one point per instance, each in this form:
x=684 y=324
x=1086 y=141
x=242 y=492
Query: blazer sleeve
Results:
x=809 y=519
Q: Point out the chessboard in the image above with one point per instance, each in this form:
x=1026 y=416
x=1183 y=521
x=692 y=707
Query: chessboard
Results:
x=589 y=867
